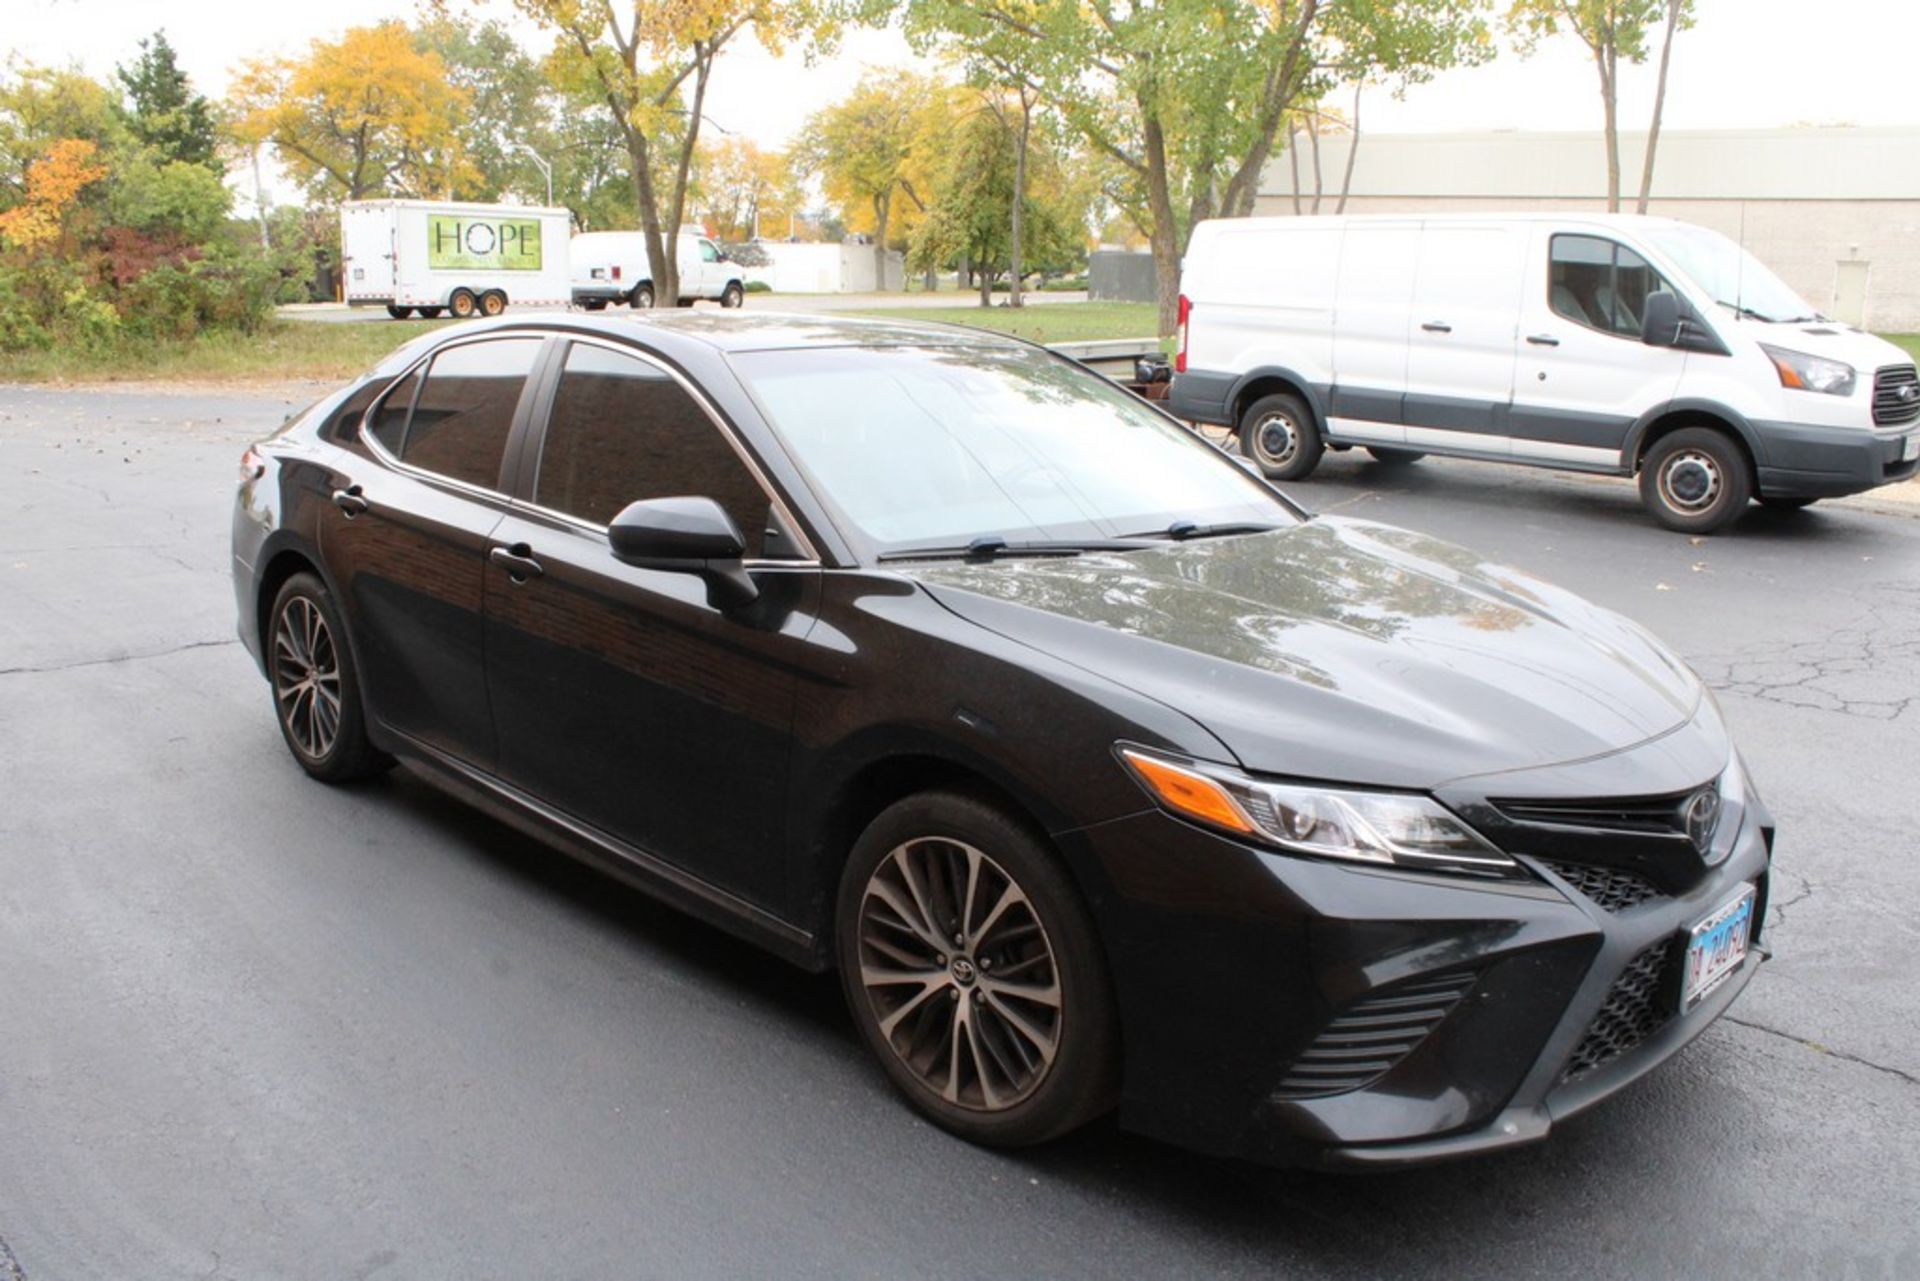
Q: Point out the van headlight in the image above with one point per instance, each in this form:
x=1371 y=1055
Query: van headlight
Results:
x=1397 y=829
x=1803 y=372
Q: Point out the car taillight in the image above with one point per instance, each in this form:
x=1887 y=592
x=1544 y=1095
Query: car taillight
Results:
x=1180 y=348
x=252 y=465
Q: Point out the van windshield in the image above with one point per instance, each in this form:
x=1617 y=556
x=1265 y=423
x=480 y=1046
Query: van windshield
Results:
x=1730 y=275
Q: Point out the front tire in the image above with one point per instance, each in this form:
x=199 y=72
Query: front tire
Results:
x=641 y=299
x=316 y=690
x=1695 y=480
x=1278 y=433
x=733 y=295
x=973 y=972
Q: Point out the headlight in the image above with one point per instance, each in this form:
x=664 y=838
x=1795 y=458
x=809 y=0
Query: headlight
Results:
x=1802 y=372
x=1399 y=829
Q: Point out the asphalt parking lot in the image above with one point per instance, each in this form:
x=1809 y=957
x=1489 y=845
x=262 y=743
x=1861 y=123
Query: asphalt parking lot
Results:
x=254 y=1027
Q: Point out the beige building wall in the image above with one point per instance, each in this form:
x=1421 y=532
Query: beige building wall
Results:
x=1805 y=201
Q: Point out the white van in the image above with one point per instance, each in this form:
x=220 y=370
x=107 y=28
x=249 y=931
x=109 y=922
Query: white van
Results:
x=1605 y=343
x=612 y=266
x=436 y=256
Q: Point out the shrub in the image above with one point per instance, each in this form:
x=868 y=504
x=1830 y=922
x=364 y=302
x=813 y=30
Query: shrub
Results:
x=757 y=287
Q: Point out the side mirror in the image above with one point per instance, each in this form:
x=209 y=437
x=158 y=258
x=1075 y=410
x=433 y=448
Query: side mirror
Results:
x=689 y=536
x=1660 y=321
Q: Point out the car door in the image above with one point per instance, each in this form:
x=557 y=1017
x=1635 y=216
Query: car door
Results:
x=406 y=539
x=620 y=695
x=1377 y=266
x=1585 y=377
x=1460 y=335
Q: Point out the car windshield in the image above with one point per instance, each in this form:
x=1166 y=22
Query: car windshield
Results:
x=1730 y=275
x=942 y=447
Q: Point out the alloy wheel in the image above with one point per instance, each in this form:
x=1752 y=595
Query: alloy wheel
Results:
x=960 y=974
x=306 y=677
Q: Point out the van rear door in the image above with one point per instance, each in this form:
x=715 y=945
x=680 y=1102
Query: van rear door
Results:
x=1377 y=263
x=1461 y=333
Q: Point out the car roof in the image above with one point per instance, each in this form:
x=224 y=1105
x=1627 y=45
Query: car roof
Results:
x=735 y=331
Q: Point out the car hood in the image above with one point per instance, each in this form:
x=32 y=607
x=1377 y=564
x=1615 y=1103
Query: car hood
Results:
x=1343 y=650
x=1829 y=338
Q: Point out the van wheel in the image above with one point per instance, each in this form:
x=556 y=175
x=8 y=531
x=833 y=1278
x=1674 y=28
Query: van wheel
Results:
x=493 y=302
x=641 y=299
x=400 y=313
x=733 y=295
x=1695 y=480
x=974 y=973
x=463 y=304
x=1394 y=457
x=595 y=304
x=1786 y=504
x=1279 y=434
x=431 y=313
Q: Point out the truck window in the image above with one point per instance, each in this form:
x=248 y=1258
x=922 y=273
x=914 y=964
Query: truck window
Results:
x=708 y=253
x=1600 y=283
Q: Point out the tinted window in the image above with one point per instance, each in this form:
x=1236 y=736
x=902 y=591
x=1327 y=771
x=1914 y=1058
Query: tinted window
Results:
x=1600 y=284
x=623 y=430
x=389 y=425
x=465 y=409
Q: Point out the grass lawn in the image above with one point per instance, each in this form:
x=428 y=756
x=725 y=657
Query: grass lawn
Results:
x=1910 y=343
x=1049 y=322
x=285 y=351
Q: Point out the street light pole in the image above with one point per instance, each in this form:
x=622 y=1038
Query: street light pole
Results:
x=546 y=169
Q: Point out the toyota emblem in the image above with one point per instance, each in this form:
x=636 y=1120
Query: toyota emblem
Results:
x=1702 y=815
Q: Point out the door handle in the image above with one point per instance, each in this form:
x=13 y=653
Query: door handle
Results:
x=351 y=501
x=518 y=561
x=1437 y=327
x=1543 y=340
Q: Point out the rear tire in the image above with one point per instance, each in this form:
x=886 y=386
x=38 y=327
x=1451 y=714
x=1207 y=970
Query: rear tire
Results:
x=1278 y=433
x=641 y=299
x=1695 y=480
x=733 y=295
x=316 y=689
x=1394 y=457
x=1008 y=1036
x=463 y=304
x=493 y=302
x=400 y=313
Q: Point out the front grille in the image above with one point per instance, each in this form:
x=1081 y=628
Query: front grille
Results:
x=1612 y=888
x=1638 y=1006
x=1661 y=814
x=1893 y=402
x=1369 y=1038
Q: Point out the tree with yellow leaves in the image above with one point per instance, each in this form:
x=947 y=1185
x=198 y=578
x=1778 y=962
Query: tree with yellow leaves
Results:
x=871 y=151
x=366 y=115
x=54 y=183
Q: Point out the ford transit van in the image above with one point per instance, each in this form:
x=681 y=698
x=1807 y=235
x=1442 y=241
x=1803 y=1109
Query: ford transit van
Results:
x=1628 y=345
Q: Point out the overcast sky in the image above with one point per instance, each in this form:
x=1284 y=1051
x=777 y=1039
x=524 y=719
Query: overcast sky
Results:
x=1746 y=64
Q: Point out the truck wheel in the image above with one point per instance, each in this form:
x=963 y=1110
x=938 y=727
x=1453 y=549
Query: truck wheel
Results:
x=1394 y=457
x=1695 y=480
x=493 y=302
x=1278 y=433
x=594 y=304
x=463 y=304
x=733 y=295
x=684 y=302
x=431 y=313
x=399 y=313
x=641 y=299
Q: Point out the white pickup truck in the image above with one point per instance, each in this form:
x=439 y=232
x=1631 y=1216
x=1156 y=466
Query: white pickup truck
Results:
x=611 y=266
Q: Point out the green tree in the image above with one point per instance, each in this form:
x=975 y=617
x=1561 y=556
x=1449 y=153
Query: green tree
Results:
x=366 y=115
x=863 y=150
x=511 y=107
x=162 y=110
x=1186 y=97
x=40 y=106
x=1611 y=30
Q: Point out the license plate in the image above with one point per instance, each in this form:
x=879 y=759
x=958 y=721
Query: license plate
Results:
x=1911 y=450
x=1715 y=948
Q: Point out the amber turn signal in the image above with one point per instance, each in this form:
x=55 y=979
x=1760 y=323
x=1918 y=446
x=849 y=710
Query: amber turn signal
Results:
x=1187 y=792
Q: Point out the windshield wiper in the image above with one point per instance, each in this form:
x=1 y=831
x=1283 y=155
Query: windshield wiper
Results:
x=1742 y=310
x=1182 y=530
x=993 y=546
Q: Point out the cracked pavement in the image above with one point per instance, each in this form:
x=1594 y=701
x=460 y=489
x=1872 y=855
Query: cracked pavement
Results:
x=254 y=1027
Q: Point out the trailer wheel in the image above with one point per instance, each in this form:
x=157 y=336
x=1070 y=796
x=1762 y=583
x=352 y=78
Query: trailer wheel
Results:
x=431 y=313
x=493 y=302
x=463 y=304
x=641 y=298
x=400 y=313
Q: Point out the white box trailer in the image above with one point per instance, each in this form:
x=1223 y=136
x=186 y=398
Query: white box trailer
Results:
x=438 y=256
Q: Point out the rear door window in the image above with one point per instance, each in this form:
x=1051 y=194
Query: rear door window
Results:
x=463 y=412
x=622 y=429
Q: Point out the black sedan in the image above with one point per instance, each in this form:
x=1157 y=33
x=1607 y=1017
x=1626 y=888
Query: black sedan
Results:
x=1102 y=773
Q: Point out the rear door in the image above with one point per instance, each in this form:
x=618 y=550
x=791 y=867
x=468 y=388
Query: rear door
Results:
x=1585 y=377
x=621 y=697
x=1460 y=335
x=406 y=539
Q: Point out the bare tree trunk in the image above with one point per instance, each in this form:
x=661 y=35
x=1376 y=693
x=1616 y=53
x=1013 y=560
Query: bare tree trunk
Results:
x=1166 y=233
x=1608 y=63
x=1313 y=140
x=986 y=287
x=882 y=212
x=1659 y=104
x=1353 y=149
x=1293 y=160
x=1019 y=199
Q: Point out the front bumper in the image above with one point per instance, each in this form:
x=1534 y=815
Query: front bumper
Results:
x=1231 y=962
x=1802 y=461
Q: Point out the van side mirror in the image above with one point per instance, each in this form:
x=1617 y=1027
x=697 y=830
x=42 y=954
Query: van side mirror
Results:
x=1660 y=319
x=689 y=536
